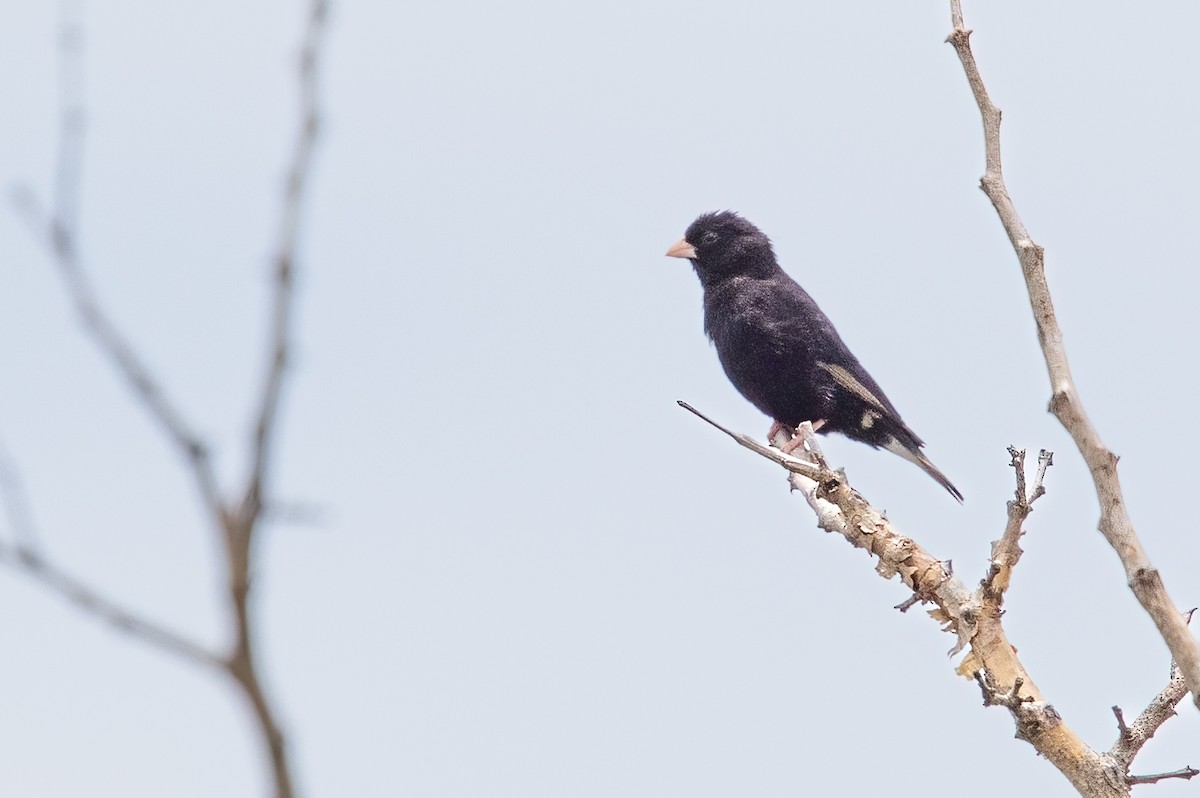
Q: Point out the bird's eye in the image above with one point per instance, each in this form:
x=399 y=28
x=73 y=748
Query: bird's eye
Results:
x=708 y=238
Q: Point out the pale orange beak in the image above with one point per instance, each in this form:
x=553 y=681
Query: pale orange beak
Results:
x=681 y=249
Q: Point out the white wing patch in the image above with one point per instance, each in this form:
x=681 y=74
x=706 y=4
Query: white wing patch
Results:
x=847 y=381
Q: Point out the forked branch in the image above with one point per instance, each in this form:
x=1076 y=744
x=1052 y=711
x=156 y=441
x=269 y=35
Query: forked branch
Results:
x=974 y=617
x=236 y=521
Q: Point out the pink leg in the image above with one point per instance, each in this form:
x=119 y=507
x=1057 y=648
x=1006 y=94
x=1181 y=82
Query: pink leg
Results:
x=796 y=442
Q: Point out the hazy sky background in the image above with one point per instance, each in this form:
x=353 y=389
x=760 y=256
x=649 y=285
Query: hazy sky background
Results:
x=533 y=574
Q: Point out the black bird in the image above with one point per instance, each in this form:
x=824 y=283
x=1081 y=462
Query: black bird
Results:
x=777 y=347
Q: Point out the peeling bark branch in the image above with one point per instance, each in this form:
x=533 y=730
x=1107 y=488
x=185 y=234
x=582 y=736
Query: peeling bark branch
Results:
x=1142 y=577
x=973 y=617
x=974 y=621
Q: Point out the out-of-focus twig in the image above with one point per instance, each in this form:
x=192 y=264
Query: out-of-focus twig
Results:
x=241 y=522
x=95 y=603
x=236 y=521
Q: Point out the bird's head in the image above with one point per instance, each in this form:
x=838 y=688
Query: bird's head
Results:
x=722 y=244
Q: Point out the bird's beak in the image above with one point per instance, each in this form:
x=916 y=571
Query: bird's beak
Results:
x=681 y=249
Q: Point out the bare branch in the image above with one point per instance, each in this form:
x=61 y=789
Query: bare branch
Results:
x=94 y=603
x=239 y=525
x=792 y=464
x=16 y=505
x=58 y=229
x=994 y=696
x=1006 y=551
x=1122 y=729
x=1131 y=737
x=974 y=621
x=60 y=240
x=1143 y=578
x=68 y=166
x=1184 y=773
x=25 y=556
x=284 y=286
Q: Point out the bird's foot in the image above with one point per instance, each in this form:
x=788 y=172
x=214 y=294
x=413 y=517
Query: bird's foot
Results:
x=797 y=440
x=777 y=428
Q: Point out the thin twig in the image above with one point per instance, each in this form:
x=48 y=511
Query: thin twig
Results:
x=60 y=240
x=16 y=505
x=793 y=464
x=1122 y=728
x=68 y=165
x=26 y=556
x=1183 y=773
x=59 y=229
x=94 y=603
x=299 y=172
x=1142 y=577
x=240 y=524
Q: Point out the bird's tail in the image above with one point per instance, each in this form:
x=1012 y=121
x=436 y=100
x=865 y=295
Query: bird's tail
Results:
x=915 y=455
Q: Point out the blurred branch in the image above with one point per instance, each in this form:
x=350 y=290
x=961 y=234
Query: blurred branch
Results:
x=60 y=240
x=1142 y=577
x=92 y=602
x=68 y=165
x=58 y=229
x=284 y=275
x=16 y=504
x=239 y=524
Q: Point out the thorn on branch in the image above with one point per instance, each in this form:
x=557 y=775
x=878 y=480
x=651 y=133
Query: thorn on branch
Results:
x=908 y=603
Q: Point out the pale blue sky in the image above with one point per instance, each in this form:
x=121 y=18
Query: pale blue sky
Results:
x=534 y=575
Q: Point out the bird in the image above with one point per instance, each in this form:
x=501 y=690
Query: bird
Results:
x=780 y=350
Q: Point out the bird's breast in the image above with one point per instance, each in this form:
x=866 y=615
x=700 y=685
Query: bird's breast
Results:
x=769 y=360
